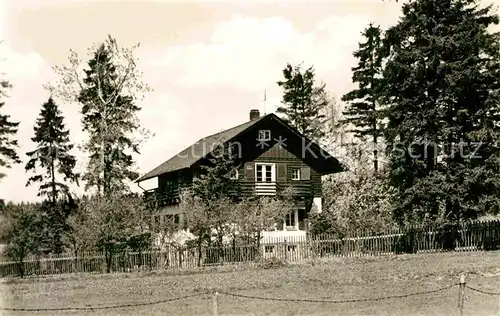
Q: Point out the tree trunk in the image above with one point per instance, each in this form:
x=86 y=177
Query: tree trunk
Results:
x=103 y=152
x=21 y=267
x=375 y=140
x=75 y=261
x=53 y=180
x=108 y=256
x=55 y=216
x=200 y=240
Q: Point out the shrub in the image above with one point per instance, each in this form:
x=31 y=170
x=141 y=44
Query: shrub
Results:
x=272 y=263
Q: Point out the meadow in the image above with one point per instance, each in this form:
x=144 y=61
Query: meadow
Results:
x=327 y=279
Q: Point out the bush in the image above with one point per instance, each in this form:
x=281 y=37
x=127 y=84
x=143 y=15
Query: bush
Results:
x=272 y=263
x=355 y=202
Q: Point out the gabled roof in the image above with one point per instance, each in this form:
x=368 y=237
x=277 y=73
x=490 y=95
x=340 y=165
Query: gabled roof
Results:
x=198 y=150
x=194 y=153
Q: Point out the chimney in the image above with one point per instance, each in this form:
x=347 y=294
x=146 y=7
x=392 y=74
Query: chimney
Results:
x=254 y=114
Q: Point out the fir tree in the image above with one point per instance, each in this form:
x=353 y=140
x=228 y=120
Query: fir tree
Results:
x=8 y=129
x=363 y=103
x=52 y=154
x=442 y=84
x=110 y=117
x=302 y=101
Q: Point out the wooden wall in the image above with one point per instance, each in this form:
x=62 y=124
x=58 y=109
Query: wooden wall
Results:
x=285 y=163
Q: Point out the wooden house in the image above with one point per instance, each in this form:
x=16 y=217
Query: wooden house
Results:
x=272 y=154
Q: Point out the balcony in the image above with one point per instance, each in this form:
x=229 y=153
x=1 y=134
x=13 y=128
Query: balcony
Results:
x=162 y=198
x=302 y=188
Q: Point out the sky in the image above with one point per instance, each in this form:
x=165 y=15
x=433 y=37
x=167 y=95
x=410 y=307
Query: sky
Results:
x=208 y=63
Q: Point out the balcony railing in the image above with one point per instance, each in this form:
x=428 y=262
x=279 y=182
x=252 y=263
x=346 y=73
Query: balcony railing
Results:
x=172 y=197
x=162 y=198
x=301 y=187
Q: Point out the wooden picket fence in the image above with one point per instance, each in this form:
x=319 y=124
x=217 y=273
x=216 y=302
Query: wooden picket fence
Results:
x=472 y=236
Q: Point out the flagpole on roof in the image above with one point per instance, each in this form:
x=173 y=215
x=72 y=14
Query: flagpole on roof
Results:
x=265 y=99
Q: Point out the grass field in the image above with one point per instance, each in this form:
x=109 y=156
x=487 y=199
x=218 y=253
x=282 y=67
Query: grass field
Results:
x=334 y=279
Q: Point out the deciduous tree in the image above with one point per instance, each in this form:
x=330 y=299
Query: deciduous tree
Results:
x=255 y=214
x=197 y=214
x=22 y=229
x=114 y=224
x=355 y=204
x=79 y=235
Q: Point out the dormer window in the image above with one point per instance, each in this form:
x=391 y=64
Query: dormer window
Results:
x=264 y=135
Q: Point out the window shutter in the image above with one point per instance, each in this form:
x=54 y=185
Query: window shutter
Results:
x=281 y=174
x=249 y=171
x=305 y=173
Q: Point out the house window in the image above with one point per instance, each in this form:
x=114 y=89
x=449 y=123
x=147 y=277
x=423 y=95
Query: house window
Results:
x=169 y=219
x=172 y=220
x=234 y=174
x=264 y=173
x=290 y=219
x=264 y=135
x=296 y=174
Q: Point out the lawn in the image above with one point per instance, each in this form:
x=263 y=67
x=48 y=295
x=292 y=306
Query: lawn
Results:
x=334 y=279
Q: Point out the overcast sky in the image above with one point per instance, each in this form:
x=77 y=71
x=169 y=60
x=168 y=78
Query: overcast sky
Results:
x=208 y=64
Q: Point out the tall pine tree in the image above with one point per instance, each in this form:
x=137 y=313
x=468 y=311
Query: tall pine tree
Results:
x=8 y=129
x=110 y=118
x=442 y=88
x=52 y=154
x=363 y=103
x=302 y=101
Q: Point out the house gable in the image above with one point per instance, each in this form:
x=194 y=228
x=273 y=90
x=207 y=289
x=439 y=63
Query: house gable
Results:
x=285 y=143
x=286 y=164
x=277 y=152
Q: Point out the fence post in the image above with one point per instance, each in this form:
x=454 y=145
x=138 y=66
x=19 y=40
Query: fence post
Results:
x=286 y=250
x=215 y=300
x=461 y=294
